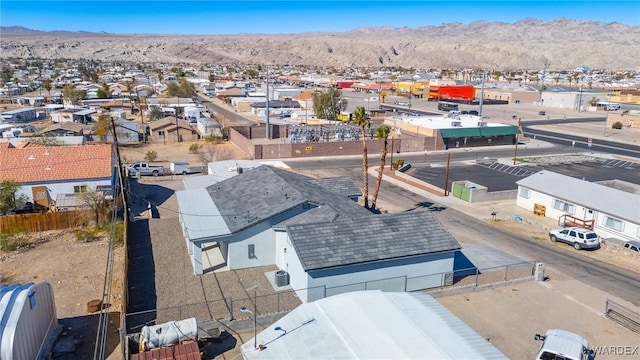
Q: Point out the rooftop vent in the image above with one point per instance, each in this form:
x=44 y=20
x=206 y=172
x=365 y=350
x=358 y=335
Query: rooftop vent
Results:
x=482 y=123
x=32 y=157
x=456 y=123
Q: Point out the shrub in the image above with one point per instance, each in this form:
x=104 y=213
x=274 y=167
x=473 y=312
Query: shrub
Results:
x=13 y=242
x=151 y=156
x=213 y=139
x=193 y=148
x=87 y=234
x=120 y=232
x=617 y=125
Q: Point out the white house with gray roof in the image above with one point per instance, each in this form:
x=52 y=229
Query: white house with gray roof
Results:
x=238 y=214
x=391 y=252
x=615 y=213
x=313 y=230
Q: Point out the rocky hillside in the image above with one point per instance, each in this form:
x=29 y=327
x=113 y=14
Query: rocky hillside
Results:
x=566 y=44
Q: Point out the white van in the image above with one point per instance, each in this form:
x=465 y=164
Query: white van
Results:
x=612 y=107
x=562 y=344
x=180 y=168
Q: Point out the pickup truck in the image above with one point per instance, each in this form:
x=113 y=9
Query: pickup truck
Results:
x=143 y=168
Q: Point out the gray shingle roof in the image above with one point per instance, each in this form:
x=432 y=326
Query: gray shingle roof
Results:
x=263 y=192
x=371 y=238
x=340 y=185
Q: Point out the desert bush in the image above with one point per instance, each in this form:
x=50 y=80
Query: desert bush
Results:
x=88 y=234
x=193 y=148
x=617 y=125
x=13 y=242
x=151 y=156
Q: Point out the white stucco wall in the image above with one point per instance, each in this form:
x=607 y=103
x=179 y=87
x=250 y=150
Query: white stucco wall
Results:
x=56 y=188
x=630 y=231
x=563 y=100
x=264 y=249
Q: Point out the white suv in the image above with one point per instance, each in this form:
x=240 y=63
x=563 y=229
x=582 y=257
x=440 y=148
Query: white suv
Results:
x=578 y=237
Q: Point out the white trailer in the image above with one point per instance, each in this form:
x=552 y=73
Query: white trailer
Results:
x=180 y=167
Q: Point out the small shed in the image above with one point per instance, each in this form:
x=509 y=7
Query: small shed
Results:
x=28 y=321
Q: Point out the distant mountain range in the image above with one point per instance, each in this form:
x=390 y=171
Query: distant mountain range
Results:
x=526 y=44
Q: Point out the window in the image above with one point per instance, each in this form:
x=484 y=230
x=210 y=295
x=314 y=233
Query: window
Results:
x=613 y=223
x=80 y=189
x=525 y=193
x=160 y=133
x=564 y=206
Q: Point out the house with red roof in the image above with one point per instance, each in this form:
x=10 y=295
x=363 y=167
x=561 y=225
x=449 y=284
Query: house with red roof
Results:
x=51 y=174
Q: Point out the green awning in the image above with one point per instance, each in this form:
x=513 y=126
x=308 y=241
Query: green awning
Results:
x=484 y=131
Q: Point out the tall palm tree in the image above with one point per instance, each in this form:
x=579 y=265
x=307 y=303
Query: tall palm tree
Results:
x=361 y=119
x=381 y=133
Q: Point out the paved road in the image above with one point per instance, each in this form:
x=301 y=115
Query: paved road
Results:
x=582 y=142
x=223 y=113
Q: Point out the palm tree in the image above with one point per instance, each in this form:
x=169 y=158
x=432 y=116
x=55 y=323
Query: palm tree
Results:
x=381 y=133
x=361 y=119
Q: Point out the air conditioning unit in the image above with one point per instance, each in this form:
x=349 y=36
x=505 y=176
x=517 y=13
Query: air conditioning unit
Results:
x=456 y=123
x=482 y=123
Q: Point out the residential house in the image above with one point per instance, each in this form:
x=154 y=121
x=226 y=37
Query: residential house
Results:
x=16 y=116
x=311 y=229
x=232 y=91
x=171 y=129
x=45 y=172
x=610 y=212
x=209 y=89
x=79 y=115
x=370 y=325
x=127 y=132
x=64 y=129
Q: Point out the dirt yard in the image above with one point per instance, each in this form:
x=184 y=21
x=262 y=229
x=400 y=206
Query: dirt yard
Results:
x=171 y=152
x=76 y=271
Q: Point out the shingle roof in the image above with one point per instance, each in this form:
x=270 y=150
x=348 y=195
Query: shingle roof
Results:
x=340 y=185
x=371 y=238
x=580 y=192
x=264 y=192
x=170 y=123
x=68 y=125
x=37 y=163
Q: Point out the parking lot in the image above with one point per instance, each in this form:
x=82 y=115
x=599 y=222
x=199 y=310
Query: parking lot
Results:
x=498 y=175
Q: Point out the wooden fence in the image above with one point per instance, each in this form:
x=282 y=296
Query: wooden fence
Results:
x=10 y=224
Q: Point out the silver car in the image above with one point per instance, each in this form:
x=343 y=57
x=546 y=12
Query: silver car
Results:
x=578 y=237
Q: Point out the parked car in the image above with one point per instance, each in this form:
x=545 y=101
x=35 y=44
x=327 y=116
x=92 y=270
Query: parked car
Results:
x=542 y=113
x=143 y=168
x=578 y=237
x=633 y=245
x=562 y=344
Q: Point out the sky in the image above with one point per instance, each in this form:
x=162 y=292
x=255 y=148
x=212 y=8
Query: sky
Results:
x=286 y=17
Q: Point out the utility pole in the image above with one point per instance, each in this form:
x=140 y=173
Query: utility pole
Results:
x=268 y=130
x=177 y=126
x=446 y=175
x=481 y=95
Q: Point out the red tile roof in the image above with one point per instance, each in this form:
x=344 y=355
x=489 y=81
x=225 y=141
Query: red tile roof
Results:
x=189 y=351
x=30 y=162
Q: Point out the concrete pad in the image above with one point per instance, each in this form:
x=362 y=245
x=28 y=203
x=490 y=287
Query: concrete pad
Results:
x=484 y=257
